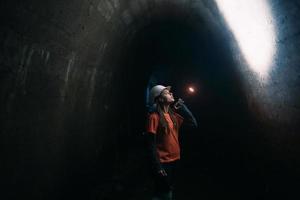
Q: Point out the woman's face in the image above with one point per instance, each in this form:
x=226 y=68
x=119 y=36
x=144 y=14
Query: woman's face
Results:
x=167 y=96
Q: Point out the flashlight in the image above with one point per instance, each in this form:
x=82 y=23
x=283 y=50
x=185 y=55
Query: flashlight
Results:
x=191 y=89
x=178 y=104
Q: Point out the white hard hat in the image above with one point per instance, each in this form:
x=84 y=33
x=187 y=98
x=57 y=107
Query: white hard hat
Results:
x=156 y=91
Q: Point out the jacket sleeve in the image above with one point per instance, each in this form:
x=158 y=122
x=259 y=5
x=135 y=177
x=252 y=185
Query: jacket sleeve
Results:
x=150 y=135
x=152 y=152
x=189 y=118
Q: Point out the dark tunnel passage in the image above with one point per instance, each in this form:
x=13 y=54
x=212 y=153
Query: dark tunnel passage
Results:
x=73 y=82
x=172 y=52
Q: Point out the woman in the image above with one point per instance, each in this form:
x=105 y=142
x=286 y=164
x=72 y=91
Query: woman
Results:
x=162 y=130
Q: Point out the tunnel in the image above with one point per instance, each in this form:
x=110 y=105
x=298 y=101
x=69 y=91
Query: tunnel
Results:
x=75 y=79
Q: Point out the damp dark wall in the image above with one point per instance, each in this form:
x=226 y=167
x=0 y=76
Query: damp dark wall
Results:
x=73 y=77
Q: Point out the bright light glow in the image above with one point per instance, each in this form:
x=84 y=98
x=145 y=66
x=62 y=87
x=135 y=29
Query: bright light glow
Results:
x=192 y=90
x=251 y=22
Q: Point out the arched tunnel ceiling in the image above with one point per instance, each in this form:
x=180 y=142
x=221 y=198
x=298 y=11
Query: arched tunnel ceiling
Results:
x=66 y=69
x=206 y=17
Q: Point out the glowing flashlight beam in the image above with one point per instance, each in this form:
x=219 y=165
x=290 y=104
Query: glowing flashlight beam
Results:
x=251 y=24
x=192 y=90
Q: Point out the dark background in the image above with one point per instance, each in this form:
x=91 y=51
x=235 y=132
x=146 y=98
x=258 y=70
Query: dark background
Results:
x=73 y=81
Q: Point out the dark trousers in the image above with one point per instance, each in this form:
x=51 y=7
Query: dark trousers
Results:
x=165 y=184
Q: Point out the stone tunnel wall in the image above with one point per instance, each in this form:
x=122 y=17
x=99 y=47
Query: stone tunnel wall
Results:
x=59 y=62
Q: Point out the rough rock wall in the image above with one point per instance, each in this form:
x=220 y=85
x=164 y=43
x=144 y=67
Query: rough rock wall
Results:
x=61 y=79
